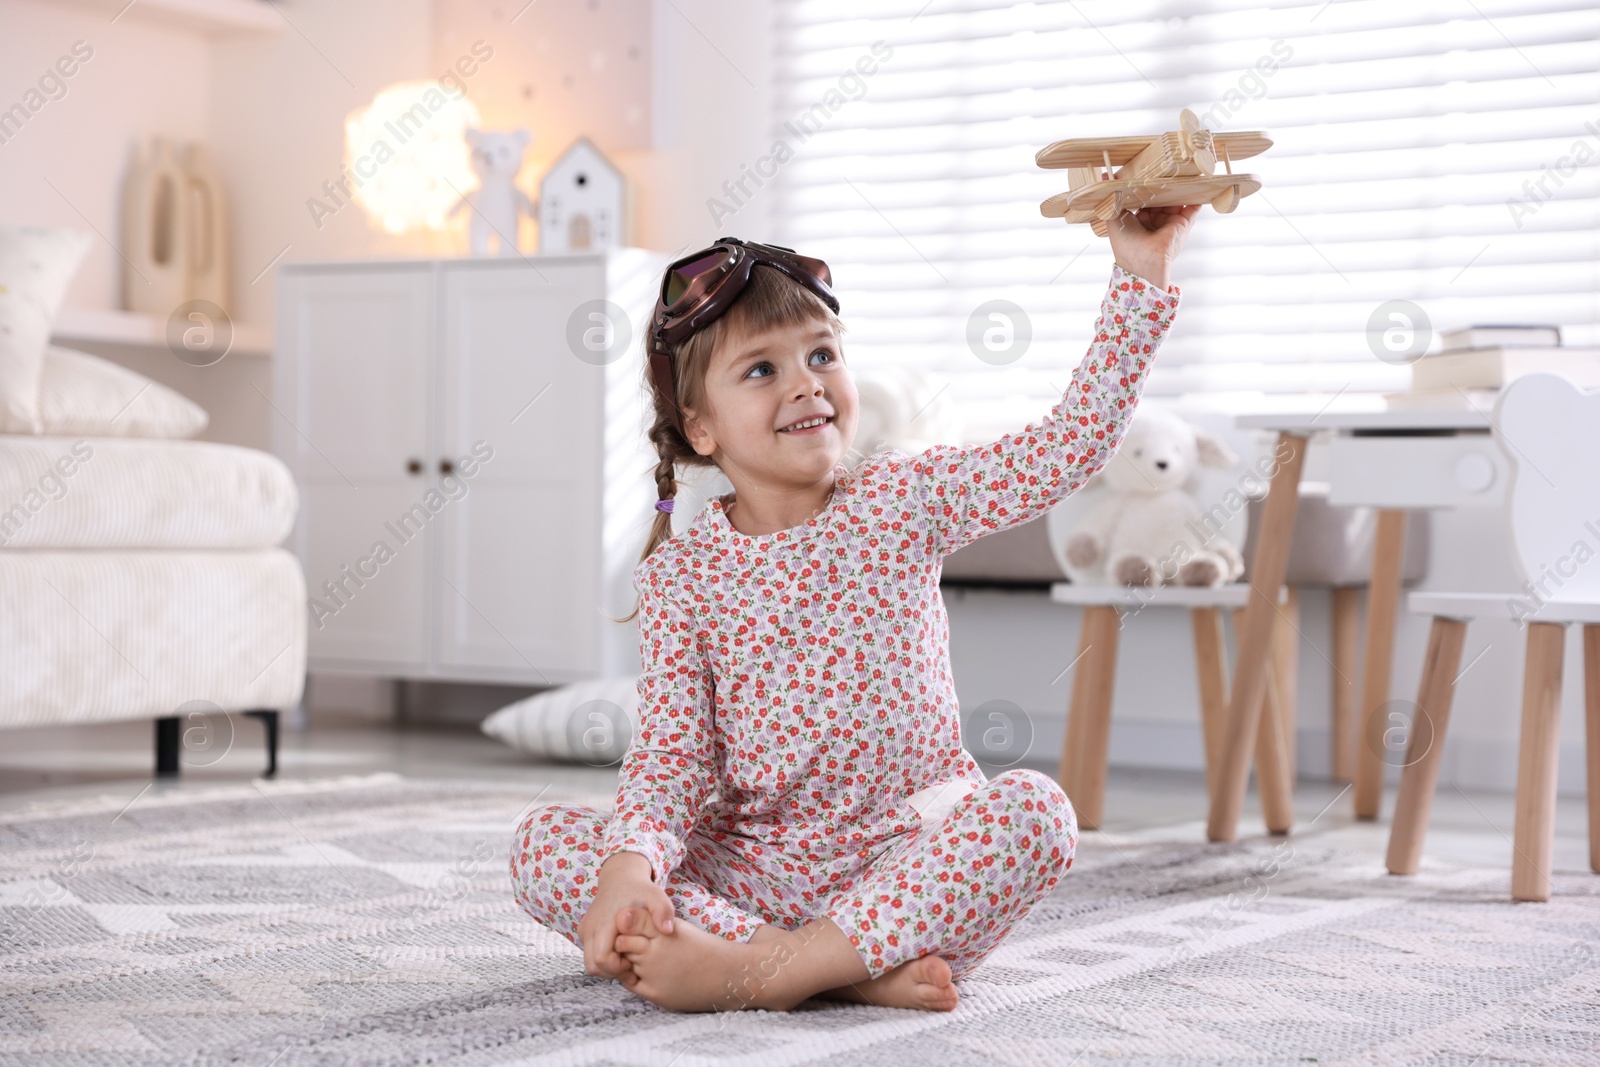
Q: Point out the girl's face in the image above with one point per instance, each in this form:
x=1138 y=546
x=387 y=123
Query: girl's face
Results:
x=758 y=387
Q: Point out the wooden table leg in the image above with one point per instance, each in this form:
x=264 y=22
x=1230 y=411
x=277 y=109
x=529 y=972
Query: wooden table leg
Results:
x=1274 y=775
x=1088 y=744
x=1383 y=604
x=1591 y=708
x=1267 y=570
x=1211 y=674
x=1273 y=781
x=1286 y=675
x=1533 y=840
x=1069 y=774
x=1346 y=670
x=1420 y=776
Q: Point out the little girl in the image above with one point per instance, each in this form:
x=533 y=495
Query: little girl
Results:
x=796 y=815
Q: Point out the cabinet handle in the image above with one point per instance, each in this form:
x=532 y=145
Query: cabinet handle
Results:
x=446 y=467
x=413 y=466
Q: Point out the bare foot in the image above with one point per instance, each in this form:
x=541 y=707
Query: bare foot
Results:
x=694 y=970
x=923 y=983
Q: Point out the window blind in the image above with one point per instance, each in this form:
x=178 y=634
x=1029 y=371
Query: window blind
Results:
x=1441 y=152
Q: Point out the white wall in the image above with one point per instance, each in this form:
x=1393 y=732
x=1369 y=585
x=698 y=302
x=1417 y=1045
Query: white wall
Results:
x=82 y=142
x=713 y=113
x=278 y=105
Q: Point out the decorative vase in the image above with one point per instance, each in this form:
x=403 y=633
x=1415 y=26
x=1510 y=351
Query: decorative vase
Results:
x=207 y=222
x=155 y=232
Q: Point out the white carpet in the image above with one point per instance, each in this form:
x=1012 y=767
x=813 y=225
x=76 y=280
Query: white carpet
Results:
x=370 y=921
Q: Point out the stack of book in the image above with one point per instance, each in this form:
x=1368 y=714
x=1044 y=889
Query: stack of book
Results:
x=1475 y=361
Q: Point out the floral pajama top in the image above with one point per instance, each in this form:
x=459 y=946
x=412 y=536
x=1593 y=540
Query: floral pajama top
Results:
x=796 y=688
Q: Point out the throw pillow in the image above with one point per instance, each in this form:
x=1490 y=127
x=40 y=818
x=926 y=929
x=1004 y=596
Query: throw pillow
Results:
x=93 y=397
x=36 y=265
x=586 y=722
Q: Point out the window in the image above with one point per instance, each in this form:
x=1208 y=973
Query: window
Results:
x=1442 y=152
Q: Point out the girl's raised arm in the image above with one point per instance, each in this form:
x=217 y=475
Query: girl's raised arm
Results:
x=973 y=490
x=668 y=772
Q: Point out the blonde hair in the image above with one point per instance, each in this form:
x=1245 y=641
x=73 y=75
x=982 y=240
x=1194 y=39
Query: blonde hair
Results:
x=770 y=299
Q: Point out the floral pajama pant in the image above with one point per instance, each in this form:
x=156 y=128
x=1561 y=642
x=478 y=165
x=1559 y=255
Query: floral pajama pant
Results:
x=955 y=887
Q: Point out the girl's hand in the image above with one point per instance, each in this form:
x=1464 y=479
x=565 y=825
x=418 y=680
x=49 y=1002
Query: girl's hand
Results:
x=1145 y=242
x=623 y=884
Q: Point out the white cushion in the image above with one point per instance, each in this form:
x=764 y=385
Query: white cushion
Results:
x=87 y=395
x=36 y=265
x=586 y=722
x=141 y=492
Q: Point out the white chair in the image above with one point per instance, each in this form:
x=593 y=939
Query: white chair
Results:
x=1221 y=492
x=1085 y=750
x=1550 y=432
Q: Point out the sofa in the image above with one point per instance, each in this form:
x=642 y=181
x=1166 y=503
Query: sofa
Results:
x=141 y=573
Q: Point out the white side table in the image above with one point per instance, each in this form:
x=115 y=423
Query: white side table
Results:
x=1393 y=461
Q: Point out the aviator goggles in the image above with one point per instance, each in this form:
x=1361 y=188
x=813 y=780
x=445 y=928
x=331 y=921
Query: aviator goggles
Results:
x=702 y=285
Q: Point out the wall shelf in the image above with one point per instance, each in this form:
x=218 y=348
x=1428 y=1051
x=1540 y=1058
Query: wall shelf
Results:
x=79 y=325
x=208 y=17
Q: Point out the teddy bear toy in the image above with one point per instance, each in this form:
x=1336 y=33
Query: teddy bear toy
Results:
x=1150 y=530
x=497 y=204
x=904 y=408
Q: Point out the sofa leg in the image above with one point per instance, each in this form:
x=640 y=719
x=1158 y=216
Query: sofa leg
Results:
x=168 y=735
x=269 y=722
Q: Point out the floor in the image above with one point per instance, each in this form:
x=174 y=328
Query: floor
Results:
x=1469 y=828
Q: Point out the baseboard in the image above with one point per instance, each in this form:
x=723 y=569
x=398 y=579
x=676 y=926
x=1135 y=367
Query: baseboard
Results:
x=1467 y=763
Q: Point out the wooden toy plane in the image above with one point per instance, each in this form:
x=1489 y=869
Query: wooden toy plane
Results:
x=1158 y=170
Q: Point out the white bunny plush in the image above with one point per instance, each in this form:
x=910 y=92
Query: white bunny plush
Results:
x=497 y=204
x=1149 y=530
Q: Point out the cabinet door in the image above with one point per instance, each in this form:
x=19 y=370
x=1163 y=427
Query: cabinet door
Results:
x=355 y=354
x=520 y=544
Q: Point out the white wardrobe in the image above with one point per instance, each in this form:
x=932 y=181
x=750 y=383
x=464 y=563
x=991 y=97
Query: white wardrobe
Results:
x=468 y=441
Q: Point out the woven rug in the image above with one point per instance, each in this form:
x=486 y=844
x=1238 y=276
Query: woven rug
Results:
x=370 y=921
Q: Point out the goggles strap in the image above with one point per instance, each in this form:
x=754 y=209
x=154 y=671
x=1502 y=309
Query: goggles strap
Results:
x=661 y=370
